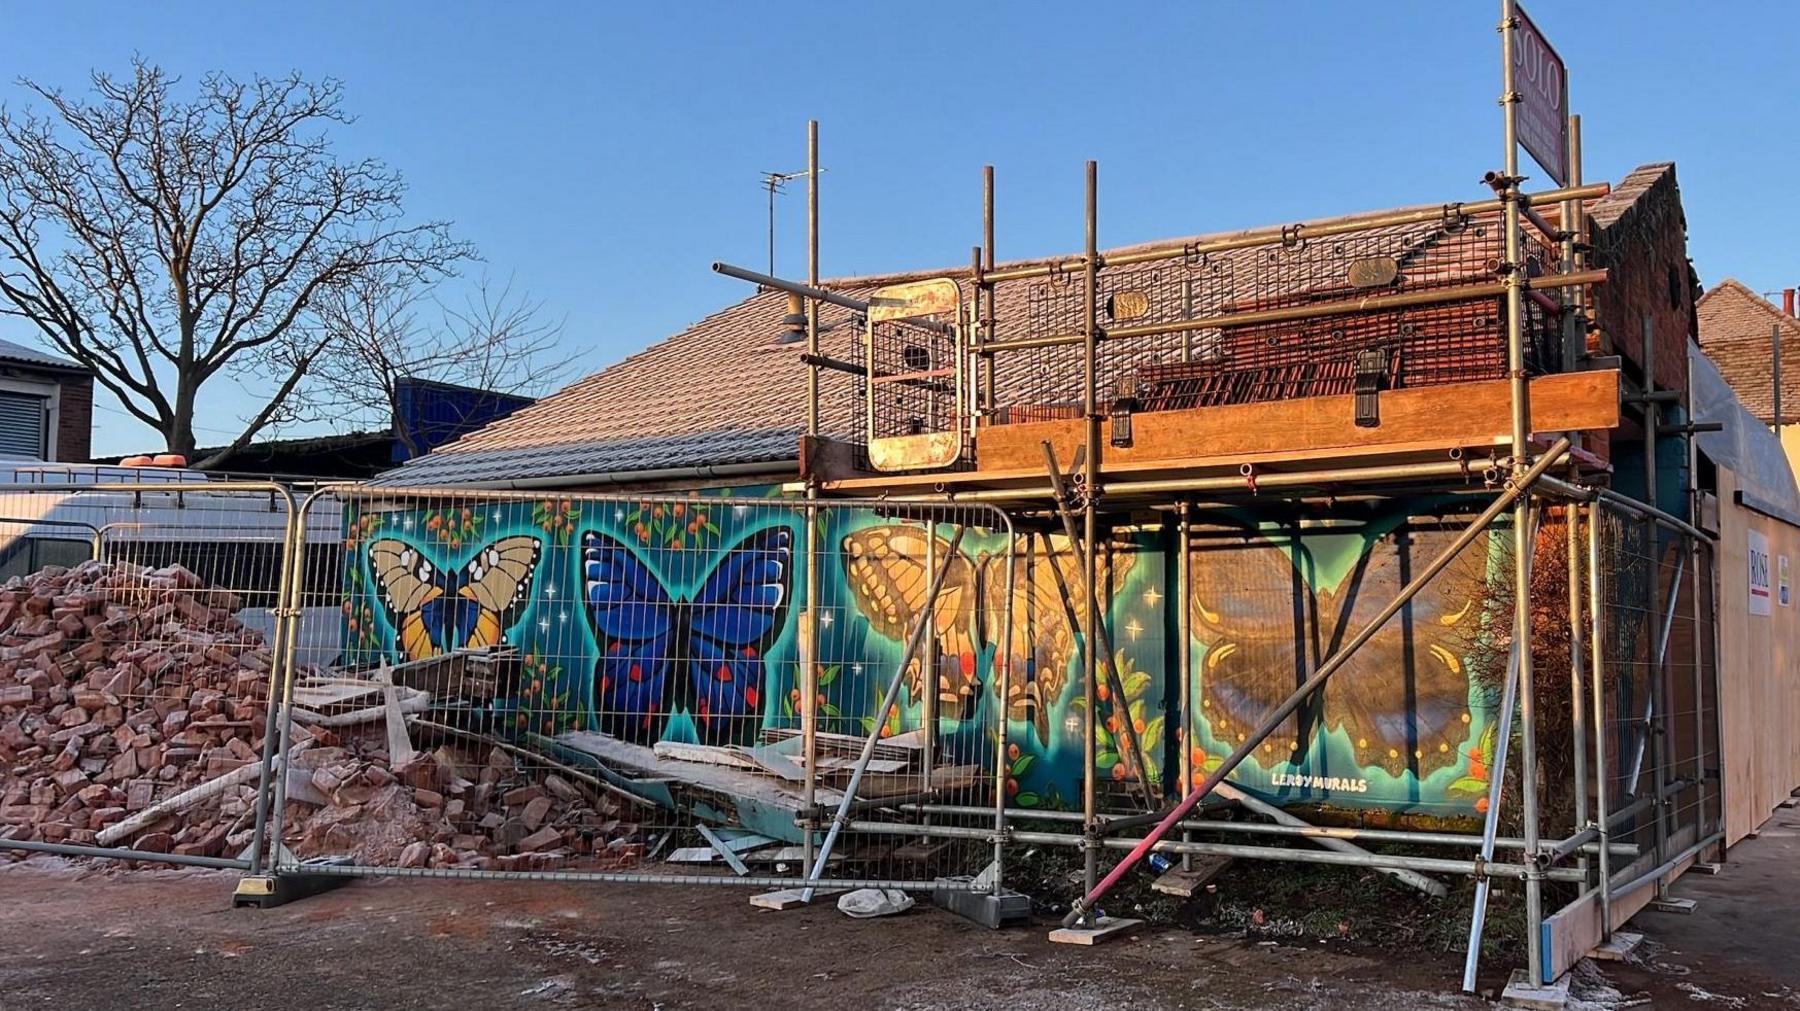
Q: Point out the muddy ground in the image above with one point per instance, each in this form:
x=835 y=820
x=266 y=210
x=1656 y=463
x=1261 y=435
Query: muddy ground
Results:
x=80 y=937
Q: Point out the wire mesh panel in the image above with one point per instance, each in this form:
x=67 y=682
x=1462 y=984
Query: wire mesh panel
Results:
x=1657 y=740
x=137 y=648
x=1323 y=338
x=671 y=687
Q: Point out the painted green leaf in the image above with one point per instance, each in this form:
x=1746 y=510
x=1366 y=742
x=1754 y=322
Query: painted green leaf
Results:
x=1135 y=683
x=1026 y=799
x=1023 y=764
x=1468 y=785
x=1153 y=731
x=1106 y=759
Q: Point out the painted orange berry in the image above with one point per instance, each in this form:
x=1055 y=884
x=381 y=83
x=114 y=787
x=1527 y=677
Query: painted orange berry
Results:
x=1118 y=771
x=1482 y=805
x=1103 y=692
x=1012 y=751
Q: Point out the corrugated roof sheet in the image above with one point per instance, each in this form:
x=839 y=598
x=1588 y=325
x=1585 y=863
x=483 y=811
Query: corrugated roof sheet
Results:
x=572 y=459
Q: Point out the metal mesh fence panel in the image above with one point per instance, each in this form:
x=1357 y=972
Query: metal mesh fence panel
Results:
x=674 y=687
x=138 y=644
x=1657 y=738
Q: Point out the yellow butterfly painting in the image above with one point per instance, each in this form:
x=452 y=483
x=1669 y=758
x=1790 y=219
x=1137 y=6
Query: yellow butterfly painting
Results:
x=1043 y=642
x=889 y=576
x=434 y=611
x=888 y=568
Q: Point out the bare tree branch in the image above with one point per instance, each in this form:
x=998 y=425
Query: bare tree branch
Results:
x=380 y=330
x=163 y=239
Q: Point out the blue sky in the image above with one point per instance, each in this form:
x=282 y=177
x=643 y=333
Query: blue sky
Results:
x=603 y=155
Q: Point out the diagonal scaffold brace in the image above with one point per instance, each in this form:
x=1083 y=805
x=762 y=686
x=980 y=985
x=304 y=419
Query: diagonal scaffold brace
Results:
x=1120 y=705
x=1084 y=908
x=888 y=700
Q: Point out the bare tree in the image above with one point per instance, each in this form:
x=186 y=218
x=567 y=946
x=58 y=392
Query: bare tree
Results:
x=165 y=242
x=379 y=329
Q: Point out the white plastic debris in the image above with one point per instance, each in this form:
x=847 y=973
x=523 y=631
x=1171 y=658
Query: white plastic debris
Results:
x=867 y=902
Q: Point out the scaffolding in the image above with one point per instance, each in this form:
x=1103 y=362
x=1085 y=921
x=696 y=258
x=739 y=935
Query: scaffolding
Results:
x=1491 y=290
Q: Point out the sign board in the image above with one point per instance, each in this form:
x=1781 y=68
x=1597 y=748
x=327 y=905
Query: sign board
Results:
x=1542 y=81
x=1781 y=580
x=1760 y=573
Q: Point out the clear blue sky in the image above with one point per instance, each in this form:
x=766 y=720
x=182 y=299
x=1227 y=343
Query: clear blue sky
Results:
x=604 y=154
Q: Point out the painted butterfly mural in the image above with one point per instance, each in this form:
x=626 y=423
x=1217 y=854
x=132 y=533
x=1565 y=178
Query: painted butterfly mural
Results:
x=1402 y=701
x=888 y=571
x=434 y=611
x=704 y=654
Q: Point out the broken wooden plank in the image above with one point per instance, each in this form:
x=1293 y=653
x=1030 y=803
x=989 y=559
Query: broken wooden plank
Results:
x=703 y=753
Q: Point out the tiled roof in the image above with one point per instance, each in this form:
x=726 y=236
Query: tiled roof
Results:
x=723 y=388
x=20 y=354
x=1736 y=332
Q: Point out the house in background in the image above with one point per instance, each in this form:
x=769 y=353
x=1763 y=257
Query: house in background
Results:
x=1738 y=331
x=46 y=406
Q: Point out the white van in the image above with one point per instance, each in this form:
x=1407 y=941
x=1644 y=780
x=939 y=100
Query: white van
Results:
x=64 y=514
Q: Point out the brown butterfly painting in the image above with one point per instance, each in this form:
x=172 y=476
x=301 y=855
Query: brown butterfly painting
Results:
x=1402 y=700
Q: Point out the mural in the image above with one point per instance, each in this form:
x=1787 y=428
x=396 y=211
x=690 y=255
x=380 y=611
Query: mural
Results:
x=680 y=620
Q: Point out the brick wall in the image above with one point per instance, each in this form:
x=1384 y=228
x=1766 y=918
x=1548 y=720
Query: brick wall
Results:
x=1639 y=232
x=75 y=420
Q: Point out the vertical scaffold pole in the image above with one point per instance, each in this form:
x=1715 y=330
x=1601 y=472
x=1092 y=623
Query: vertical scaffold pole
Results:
x=1184 y=653
x=1693 y=459
x=1657 y=654
x=1577 y=672
x=984 y=290
x=1521 y=413
x=809 y=641
x=1596 y=575
x=1090 y=665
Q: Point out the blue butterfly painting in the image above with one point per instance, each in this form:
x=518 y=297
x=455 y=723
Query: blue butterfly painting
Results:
x=704 y=655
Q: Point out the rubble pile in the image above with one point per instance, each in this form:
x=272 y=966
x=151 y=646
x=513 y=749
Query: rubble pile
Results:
x=132 y=713
x=121 y=686
x=449 y=808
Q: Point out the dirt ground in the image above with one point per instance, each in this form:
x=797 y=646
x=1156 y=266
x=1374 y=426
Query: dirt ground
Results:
x=80 y=937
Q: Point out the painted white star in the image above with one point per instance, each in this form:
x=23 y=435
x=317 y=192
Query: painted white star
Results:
x=1151 y=596
x=1134 y=628
x=550 y=591
x=544 y=624
x=825 y=620
x=619 y=514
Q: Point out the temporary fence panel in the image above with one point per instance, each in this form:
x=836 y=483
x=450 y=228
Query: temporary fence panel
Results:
x=1759 y=641
x=137 y=651
x=1657 y=744
x=669 y=687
